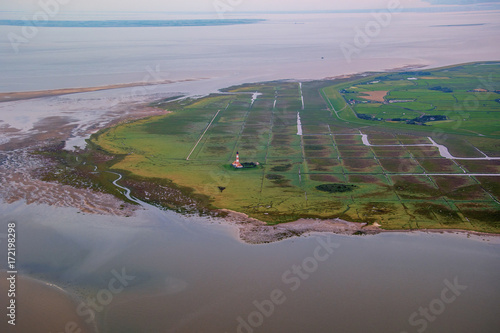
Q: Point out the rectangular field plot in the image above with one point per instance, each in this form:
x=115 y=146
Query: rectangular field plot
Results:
x=439 y=165
x=259 y=116
x=255 y=130
x=328 y=165
x=310 y=117
x=369 y=191
x=280 y=128
x=284 y=166
x=483 y=216
x=460 y=188
x=400 y=165
x=412 y=140
x=280 y=181
x=284 y=152
x=355 y=152
x=315 y=129
x=286 y=140
x=213 y=152
x=438 y=212
x=382 y=139
x=415 y=187
x=348 y=140
x=220 y=140
x=238 y=106
x=388 y=152
x=383 y=142
x=327 y=178
x=281 y=124
x=225 y=128
x=370 y=179
x=318 y=151
x=481 y=166
x=388 y=214
x=491 y=184
x=185 y=123
x=263 y=104
x=317 y=140
x=254 y=120
x=423 y=151
x=342 y=130
x=361 y=165
x=486 y=145
x=231 y=117
x=251 y=142
x=294 y=104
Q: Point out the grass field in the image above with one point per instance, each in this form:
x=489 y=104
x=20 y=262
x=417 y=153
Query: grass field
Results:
x=400 y=180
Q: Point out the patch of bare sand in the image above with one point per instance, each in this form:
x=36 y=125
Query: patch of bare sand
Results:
x=17 y=96
x=254 y=231
x=377 y=96
x=41 y=307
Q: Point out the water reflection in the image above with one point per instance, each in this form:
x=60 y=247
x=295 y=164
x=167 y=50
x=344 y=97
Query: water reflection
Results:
x=187 y=275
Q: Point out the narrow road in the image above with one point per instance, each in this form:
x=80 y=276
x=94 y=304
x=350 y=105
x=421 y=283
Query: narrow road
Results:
x=201 y=137
x=443 y=150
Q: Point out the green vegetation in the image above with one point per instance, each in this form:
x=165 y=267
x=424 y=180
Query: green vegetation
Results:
x=328 y=171
x=335 y=188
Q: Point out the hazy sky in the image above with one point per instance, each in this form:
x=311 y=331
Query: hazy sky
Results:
x=206 y=5
x=231 y=5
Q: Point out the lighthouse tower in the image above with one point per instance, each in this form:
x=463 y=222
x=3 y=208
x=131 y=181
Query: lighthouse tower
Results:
x=237 y=163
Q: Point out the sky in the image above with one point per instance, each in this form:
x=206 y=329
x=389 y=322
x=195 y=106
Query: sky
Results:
x=211 y=5
x=206 y=5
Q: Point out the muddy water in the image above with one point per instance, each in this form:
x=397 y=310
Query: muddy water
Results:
x=40 y=307
x=183 y=274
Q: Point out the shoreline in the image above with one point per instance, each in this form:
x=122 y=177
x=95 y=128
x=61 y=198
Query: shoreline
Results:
x=253 y=231
x=25 y=95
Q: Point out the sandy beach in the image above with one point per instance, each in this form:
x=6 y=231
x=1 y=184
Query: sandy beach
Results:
x=253 y=231
x=23 y=95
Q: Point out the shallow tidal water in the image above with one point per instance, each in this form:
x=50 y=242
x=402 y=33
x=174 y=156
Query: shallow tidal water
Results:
x=291 y=46
x=183 y=274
